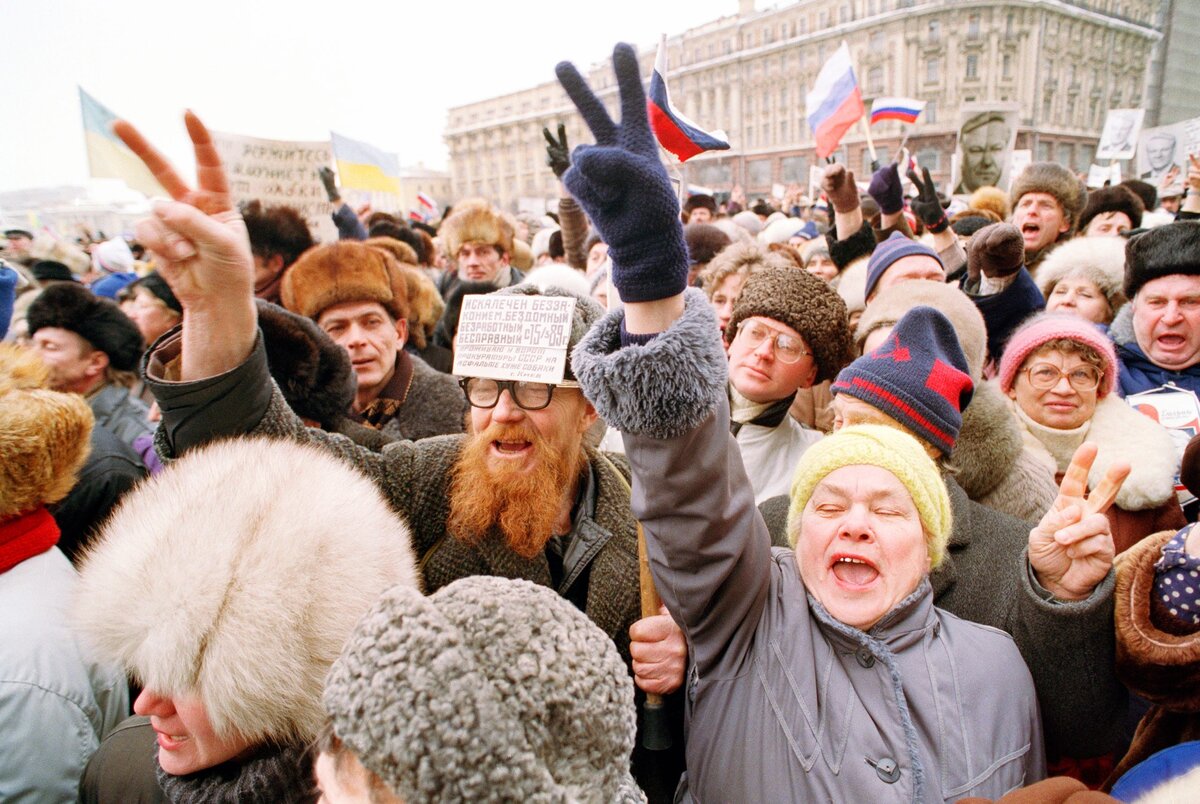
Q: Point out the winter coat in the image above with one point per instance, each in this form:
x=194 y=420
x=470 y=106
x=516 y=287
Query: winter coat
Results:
x=56 y=705
x=813 y=407
x=1003 y=312
x=435 y=405
x=1146 y=502
x=786 y=703
x=1138 y=373
x=1161 y=666
x=125 y=762
x=1068 y=646
x=123 y=414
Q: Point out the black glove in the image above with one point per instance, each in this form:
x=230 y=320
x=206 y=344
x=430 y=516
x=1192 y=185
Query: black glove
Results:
x=926 y=205
x=558 y=153
x=623 y=187
x=326 y=174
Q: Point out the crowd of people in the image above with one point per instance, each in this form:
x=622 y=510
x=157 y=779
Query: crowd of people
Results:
x=910 y=474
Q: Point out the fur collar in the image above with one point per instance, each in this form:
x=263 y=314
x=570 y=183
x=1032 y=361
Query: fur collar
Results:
x=1121 y=329
x=989 y=442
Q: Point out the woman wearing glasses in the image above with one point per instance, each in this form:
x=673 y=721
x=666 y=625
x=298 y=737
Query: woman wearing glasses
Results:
x=1059 y=372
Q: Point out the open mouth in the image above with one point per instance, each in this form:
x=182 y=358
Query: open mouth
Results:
x=1170 y=341
x=169 y=742
x=854 y=571
x=511 y=449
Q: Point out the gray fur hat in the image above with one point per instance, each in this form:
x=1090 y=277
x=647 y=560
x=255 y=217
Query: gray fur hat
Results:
x=1055 y=180
x=490 y=689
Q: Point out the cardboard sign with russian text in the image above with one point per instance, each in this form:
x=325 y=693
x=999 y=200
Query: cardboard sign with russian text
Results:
x=510 y=337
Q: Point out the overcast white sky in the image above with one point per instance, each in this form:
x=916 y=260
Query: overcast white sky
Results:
x=384 y=71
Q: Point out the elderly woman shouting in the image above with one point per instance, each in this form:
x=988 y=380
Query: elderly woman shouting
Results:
x=824 y=673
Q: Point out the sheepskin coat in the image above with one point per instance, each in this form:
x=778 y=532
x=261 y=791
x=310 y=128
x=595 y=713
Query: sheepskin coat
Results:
x=785 y=702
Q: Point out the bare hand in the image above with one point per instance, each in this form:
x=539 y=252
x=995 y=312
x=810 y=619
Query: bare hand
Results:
x=1193 y=176
x=659 y=653
x=838 y=184
x=1071 y=550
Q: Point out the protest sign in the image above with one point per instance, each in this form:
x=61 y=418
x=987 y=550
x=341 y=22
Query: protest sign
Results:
x=1178 y=410
x=1119 y=138
x=510 y=337
x=1017 y=163
x=986 y=137
x=815 y=175
x=1099 y=175
x=1162 y=155
x=280 y=172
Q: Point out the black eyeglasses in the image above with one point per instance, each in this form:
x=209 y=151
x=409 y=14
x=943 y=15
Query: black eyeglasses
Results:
x=484 y=393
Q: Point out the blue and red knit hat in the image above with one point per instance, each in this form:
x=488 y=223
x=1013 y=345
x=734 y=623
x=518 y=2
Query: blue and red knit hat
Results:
x=889 y=251
x=918 y=376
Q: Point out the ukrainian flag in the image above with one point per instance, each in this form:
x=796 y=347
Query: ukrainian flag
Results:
x=364 y=167
x=108 y=157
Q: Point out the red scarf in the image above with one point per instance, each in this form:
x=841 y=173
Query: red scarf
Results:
x=25 y=536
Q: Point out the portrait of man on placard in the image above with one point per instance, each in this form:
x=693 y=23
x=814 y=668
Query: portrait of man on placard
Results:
x=1119 y=138
x=1162 y=158
x=985 y=144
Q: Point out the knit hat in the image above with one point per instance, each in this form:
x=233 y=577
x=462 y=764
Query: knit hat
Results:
x=1112 y=199
x=51 y=271
x=918 y=376
x=887 y=448
x=490 y=689
x=100 y=322
x=113 y=256
x=44 y=437
x=892 y=303
x=704 y=241
x=1164 y=250
x=889 y=251
x=346 y=271
x=475 y=221
x=587 y=312
x=236 y=575
x=108 y=287
x=1053 y=179
x=1051 y=326
x=1100 y=260
x=156 y=285
x=807 y=305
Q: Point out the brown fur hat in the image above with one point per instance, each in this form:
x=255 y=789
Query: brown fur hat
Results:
x=425 y=304
x=993 y=199
x=476 y=221
x=341 y=272
x=1053 y=179
x=402 y=251
x=1113 y=199
x=44 y=435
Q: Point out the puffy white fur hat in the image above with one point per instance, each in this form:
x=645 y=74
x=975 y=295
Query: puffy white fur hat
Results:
x=490 y=689
x=1099 y=259
x=236 y=576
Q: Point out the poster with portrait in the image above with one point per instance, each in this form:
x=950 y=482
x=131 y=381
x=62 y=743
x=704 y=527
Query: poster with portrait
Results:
x=987 y=133
x=1162 y=155
x=1118 y=139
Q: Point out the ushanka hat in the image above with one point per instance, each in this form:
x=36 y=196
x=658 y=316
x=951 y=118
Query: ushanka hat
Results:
x=918 y=376
x=1054 y=180
x=1162 y=251
x=100 y=322
x=490 y=689
x=346 y=271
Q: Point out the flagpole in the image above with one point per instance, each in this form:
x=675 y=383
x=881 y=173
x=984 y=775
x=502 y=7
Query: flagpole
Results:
x=870 y=143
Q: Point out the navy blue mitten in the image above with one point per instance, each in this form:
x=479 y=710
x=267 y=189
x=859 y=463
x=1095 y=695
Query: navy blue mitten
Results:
x=886 y=189
x=8 y=289
x=624 y=188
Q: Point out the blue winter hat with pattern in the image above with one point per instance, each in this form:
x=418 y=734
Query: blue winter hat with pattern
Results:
x=918 y=376
x=889 y=251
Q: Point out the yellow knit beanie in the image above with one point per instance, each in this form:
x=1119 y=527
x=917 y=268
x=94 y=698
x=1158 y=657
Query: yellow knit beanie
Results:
x=887 y=448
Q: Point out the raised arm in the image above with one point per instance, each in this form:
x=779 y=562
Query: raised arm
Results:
x=204 y=253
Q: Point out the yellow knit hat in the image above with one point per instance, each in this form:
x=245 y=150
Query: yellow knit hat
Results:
x=887 y=448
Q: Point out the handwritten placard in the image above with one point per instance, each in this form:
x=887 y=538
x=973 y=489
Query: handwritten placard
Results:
x=509 y=337
x=280 y=172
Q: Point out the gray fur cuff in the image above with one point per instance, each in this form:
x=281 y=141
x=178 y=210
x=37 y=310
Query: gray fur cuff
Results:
x=662 y=389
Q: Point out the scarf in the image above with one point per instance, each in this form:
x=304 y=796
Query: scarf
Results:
x=764 y=414
x=1060 y=444
x=25 y=536
x=386 y=406
x=276 y=775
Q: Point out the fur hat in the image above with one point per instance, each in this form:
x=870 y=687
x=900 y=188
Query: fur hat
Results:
x=346 y=271
x=559 y=275
x=992 y=199
x=700 y=200
x=1053 y=179
x=44 y=435
x=780 y=230
x=100 y=322
x=236 y=575
x=476 y=221
x=1112 y=199
x=403 y=252
x=425 y=304
x=704 y=242
x=1162 y=251
x=521 y=257
x=52 y=271
x=1046 y=327
x=312 y=371
x=804 y=303
x=748 y=221
x=1100 y=260
x=489 y=689
x=158 y=287
x=969 y=328
x=887 y=448
x=918 y=376
x=887 y=253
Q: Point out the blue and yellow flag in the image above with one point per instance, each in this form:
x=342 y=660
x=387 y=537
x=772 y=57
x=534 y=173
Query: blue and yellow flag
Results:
x=108 y=157
x=364 y=167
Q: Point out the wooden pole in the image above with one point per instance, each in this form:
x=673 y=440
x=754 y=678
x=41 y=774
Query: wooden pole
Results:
x=656 y=732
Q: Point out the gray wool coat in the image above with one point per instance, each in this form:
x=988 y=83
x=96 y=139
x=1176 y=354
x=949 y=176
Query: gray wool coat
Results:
x=786 y=703
x=435 y=406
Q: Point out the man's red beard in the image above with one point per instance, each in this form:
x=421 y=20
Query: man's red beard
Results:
x=487 y=492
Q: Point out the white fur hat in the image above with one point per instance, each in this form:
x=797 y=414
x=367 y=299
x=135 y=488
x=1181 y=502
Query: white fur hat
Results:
x=1099 y=259
x=236 y=575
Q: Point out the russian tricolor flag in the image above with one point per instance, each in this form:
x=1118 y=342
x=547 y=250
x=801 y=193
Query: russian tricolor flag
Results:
x=426 y=201
x=675 y=132
x=835 y=102
x=906 y=110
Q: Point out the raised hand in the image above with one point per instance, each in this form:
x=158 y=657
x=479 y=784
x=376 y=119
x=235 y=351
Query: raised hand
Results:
x=623 y=187
x=659 y=653
x=926 y=206
x=1071 y=550
x=558 y=153
x=886 y=189
x=327 y=178
x=840 y=189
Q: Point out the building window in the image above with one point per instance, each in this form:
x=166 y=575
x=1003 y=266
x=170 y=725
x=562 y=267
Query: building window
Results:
x=758 y=173
x=877 y=42
x=794 y=169
x=875 y=81
x=823 y=19
x=1084 y=156
x=973 y=26
x=1008 y=24
x=930 y=158
x=933 y=69
x=972 y=66
x=783 y=131
x=930 y=113
x=1043 y=152
x=1006 y=66
x=935 y=30
x=844 y=14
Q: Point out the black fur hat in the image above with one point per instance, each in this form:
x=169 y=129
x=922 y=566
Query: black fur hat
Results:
x=1162 y=251
x=98 y=321
x=1112 y=199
